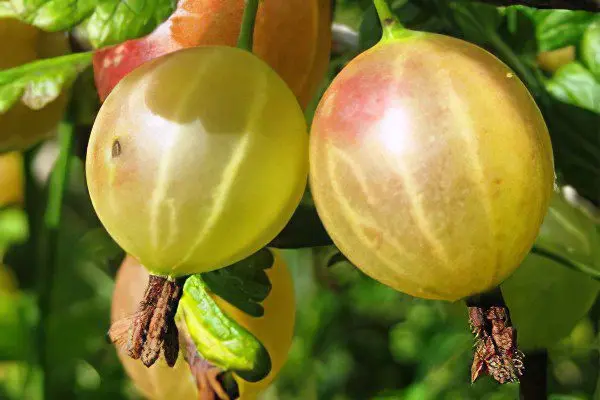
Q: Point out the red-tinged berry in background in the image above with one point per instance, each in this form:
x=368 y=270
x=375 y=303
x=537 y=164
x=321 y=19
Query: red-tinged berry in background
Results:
x=12 y=179
x=292 y=36
x=21 y=127
x=274 y=329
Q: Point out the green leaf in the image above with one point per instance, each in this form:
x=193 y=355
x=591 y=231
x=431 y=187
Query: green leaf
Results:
x=541 y=286
x=78 y=312
x=218 y=337
x=569 y=237
x=114 y=21
x=369 y=32
x=559 y=28
x=304 y=229
x=98 y=244
x=575 y=144
x=106 y=22
x=574 y=84
x=79 y=309
x=477 y=21
x=14 y=227
x=567 y=230
x=38 y=83
x=336 y=258
x=244 y=284
x=590 y=49
x=18 y=314
x=49 y=15
x=519 y=32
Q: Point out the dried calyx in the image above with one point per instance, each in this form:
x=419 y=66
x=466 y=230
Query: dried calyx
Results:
x=212 y=382
x=152 y=327
x=496 y=353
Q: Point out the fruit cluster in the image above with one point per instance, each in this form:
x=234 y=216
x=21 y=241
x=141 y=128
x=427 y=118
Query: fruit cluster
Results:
x=429 y=163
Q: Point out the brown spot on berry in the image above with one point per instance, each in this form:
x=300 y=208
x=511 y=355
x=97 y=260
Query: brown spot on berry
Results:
x=116 y=148
x=375 y=237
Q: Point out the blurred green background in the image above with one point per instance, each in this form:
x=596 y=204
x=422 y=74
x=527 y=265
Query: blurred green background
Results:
x=355 y=338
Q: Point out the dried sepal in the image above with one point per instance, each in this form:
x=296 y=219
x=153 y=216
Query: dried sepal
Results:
x=205 y=374
x=496 y=352
x=152 y=327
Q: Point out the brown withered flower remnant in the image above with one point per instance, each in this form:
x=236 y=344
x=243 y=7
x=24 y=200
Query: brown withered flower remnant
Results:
x=496 y=352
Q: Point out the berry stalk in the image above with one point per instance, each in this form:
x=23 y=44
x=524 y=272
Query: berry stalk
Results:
x=534 y=381
x=248 y=21
x=50 y=240
x=390 y=24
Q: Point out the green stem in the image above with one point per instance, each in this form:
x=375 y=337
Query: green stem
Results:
x=566 y=262
x=248 y=21
x=32 y=193
x=50 y=238
x=390 y=24
x=534 y=382
x=59 y=177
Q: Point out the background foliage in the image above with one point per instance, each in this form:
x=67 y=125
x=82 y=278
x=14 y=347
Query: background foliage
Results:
x=355 y=338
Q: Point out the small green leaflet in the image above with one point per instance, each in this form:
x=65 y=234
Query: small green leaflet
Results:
x=559 y=28
x=244 y=284
x=337 y=258
x=116 y=21
x=14 y=227
x=38 y=83
x=574 y=84
x=220 y=339
x=106 y=22
x=477 y=21
x=590 y=49
x=98 y=244
x=566 y=262
x=49 y=15
x=18 y=316
x=569 y=236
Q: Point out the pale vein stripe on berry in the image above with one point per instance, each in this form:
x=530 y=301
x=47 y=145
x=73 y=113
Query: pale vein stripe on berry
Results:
x=164 y=176
x=416 y=208
x=464 y=126
x=231 y=171
x=342 y=157
x=354 y=219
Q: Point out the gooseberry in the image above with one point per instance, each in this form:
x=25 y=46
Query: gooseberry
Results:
x=546 y=299
x=8 y=280
x=551 y=61
x=431 y=166
x=21 y=126
x=274 y=329
x=11 y=179
x=197 y=159
x=292 y=36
